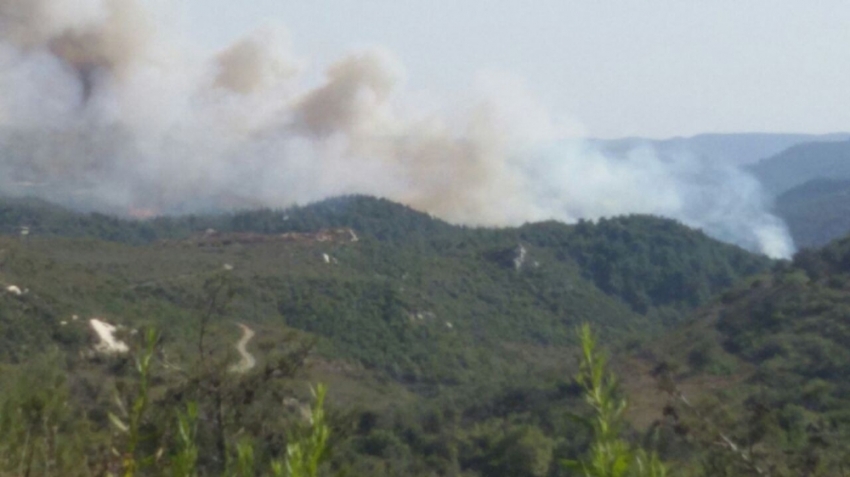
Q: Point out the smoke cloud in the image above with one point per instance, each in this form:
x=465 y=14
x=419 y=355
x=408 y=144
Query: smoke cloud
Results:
x=100 y=112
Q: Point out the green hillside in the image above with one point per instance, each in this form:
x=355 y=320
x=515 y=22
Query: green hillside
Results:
x=623 y=274
x=377 y=218
x=768 y=364
x=445 y=348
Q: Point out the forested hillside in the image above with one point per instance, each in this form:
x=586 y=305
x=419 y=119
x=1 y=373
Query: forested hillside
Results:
x=445 y=348
x=774 y=355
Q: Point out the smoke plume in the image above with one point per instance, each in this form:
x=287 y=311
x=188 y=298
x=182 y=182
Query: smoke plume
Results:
x=100 y=112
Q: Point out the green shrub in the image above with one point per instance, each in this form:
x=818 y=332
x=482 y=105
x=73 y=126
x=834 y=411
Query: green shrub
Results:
x=609 y=454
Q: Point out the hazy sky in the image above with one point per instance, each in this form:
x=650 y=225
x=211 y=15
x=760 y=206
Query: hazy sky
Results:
x=625 y=67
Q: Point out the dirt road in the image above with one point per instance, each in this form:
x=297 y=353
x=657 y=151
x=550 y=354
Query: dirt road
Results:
x=247 y=361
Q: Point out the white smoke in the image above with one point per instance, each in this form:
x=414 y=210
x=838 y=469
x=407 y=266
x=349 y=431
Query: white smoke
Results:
x=718 y=198
x=98 y=110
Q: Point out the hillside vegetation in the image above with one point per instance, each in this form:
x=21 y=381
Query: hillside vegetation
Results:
x=774 y=355
x=447 y=350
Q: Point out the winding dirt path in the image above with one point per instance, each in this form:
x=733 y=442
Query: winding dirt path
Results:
x=247 y=362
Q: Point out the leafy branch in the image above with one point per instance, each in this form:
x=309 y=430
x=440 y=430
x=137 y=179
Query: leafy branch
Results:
x=609 y=455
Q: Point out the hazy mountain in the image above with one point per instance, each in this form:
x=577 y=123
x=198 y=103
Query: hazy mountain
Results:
x=816 y=212
x=734 y=149
x=802 y=163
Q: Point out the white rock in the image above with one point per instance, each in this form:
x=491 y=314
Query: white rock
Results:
x=326 y=257
x=108 y=344
x=519 y=257
x=14 y=290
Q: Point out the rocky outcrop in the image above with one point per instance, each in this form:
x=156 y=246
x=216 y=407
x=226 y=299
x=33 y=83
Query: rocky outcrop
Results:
x=108 y=344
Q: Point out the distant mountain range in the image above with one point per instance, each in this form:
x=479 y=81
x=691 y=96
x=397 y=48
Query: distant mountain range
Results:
x=802 y=163
x=734 y=149
x=810 y=187
x=816 y=212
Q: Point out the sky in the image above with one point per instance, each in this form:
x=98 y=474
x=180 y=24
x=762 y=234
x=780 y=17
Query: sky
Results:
x=653 y=68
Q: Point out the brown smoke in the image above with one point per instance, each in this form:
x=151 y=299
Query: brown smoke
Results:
x=116 y=34
x=251 y=65
x=354 y=99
